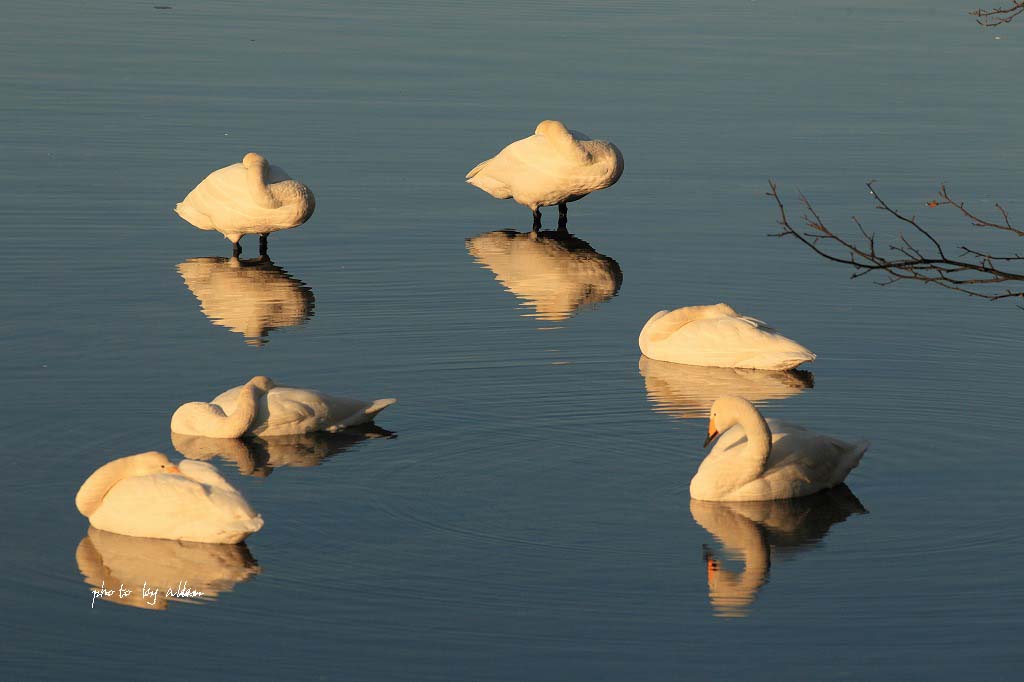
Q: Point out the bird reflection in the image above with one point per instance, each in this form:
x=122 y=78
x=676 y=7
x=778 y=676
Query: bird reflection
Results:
x=250 y=296
x=256 y=456
x=687 y=391
x=551 y=271
x=113 y=560
x=755 y=532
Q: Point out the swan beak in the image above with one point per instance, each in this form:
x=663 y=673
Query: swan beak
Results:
x=712 y=432
x=171 y=469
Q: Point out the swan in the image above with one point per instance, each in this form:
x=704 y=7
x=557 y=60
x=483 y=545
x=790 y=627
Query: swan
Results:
x=146 y=496
x=757 y=533
x=256 y=456
x=251 y=197
x=110 y=560
x=687 y=391
x=262 y=408
x=555 y=165
x=718 y=336
x=250 y=296
x=759 y=459
x=553 y=272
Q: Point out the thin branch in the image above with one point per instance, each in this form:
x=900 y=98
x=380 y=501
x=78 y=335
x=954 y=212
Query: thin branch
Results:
x=998 y=15
x=973 y=272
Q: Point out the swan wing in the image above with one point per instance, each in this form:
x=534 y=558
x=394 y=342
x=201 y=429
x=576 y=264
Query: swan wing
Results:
x=176 y=507
x=803 y=462
x=716 y=336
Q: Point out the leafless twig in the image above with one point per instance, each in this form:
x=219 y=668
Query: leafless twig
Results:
x=998 y=15
x=916 y=255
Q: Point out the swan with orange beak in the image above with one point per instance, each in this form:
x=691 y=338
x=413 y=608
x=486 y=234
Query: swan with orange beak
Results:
x=767 y=459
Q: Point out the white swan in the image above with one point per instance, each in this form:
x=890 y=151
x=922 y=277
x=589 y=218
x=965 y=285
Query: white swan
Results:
x=757 y=533
x=248 y=296
x=553 y=272
x=687 y=391
x=262 y=408
x=251 y=197
x=110 y=560
x=718 y=336
x=146 y=496
x=555 y=165
x=758 y=459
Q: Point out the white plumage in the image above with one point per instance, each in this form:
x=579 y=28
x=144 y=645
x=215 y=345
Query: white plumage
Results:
x=251 y=197
x=759 y=459
x=718 y=336
x=553 y=166
x=262 y=408
x=146 y=496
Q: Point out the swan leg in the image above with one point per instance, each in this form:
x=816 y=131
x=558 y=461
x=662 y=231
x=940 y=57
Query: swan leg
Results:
x=263 y=245
x=536 y=219
x=236 y=248
x=563 y=216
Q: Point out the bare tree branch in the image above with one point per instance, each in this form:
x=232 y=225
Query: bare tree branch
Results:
x=971 y=271
x=998 y=15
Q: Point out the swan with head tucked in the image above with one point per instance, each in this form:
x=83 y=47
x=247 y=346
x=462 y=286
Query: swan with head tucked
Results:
x=147 y=496
x=553 y=166
x=262 y=408
x=251 y=197
x=759 y=459
x=718 y=336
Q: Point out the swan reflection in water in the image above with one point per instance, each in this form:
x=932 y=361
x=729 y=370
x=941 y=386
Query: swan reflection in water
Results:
x=111 y=560
x=250 y=296
x=551 y=271
x=687 y=391
x=757 y=532
x=259 y=456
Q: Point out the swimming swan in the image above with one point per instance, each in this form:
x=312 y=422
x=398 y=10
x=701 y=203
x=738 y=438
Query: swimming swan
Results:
x=718 y=336
x=555 y=165
x=148 y=497
x=553 y=272
x=262 y=408
x=758 y=459
x=251 y=197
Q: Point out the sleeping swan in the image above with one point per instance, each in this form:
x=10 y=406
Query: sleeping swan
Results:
x=262 y=408
x=555 y=165
x=758 y=459
x=251 y=197
x=718 y=336
x=148 y=497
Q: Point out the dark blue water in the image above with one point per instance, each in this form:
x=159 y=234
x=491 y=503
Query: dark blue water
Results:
x=524 y=512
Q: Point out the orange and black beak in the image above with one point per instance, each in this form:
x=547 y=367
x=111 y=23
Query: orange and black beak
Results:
x=712 y=432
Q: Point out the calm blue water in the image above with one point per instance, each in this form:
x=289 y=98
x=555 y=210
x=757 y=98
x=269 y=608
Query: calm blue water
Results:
x=523 y=512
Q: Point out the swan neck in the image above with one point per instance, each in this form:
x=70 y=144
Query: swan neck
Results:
x=246 y=407
x=759 y=436
x=256 y=178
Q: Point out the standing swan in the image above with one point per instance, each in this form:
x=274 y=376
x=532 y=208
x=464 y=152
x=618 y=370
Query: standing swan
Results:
x=262 y=408
x=148 y=497
x=251 y=197
x=758 y=459
x=555 y=165
x=718 y=336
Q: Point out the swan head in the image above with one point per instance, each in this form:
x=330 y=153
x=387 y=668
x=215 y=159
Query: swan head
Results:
x=253 y=159
x=95 y=488
x=725 y=413
x=262 y=383
x=551 y=129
